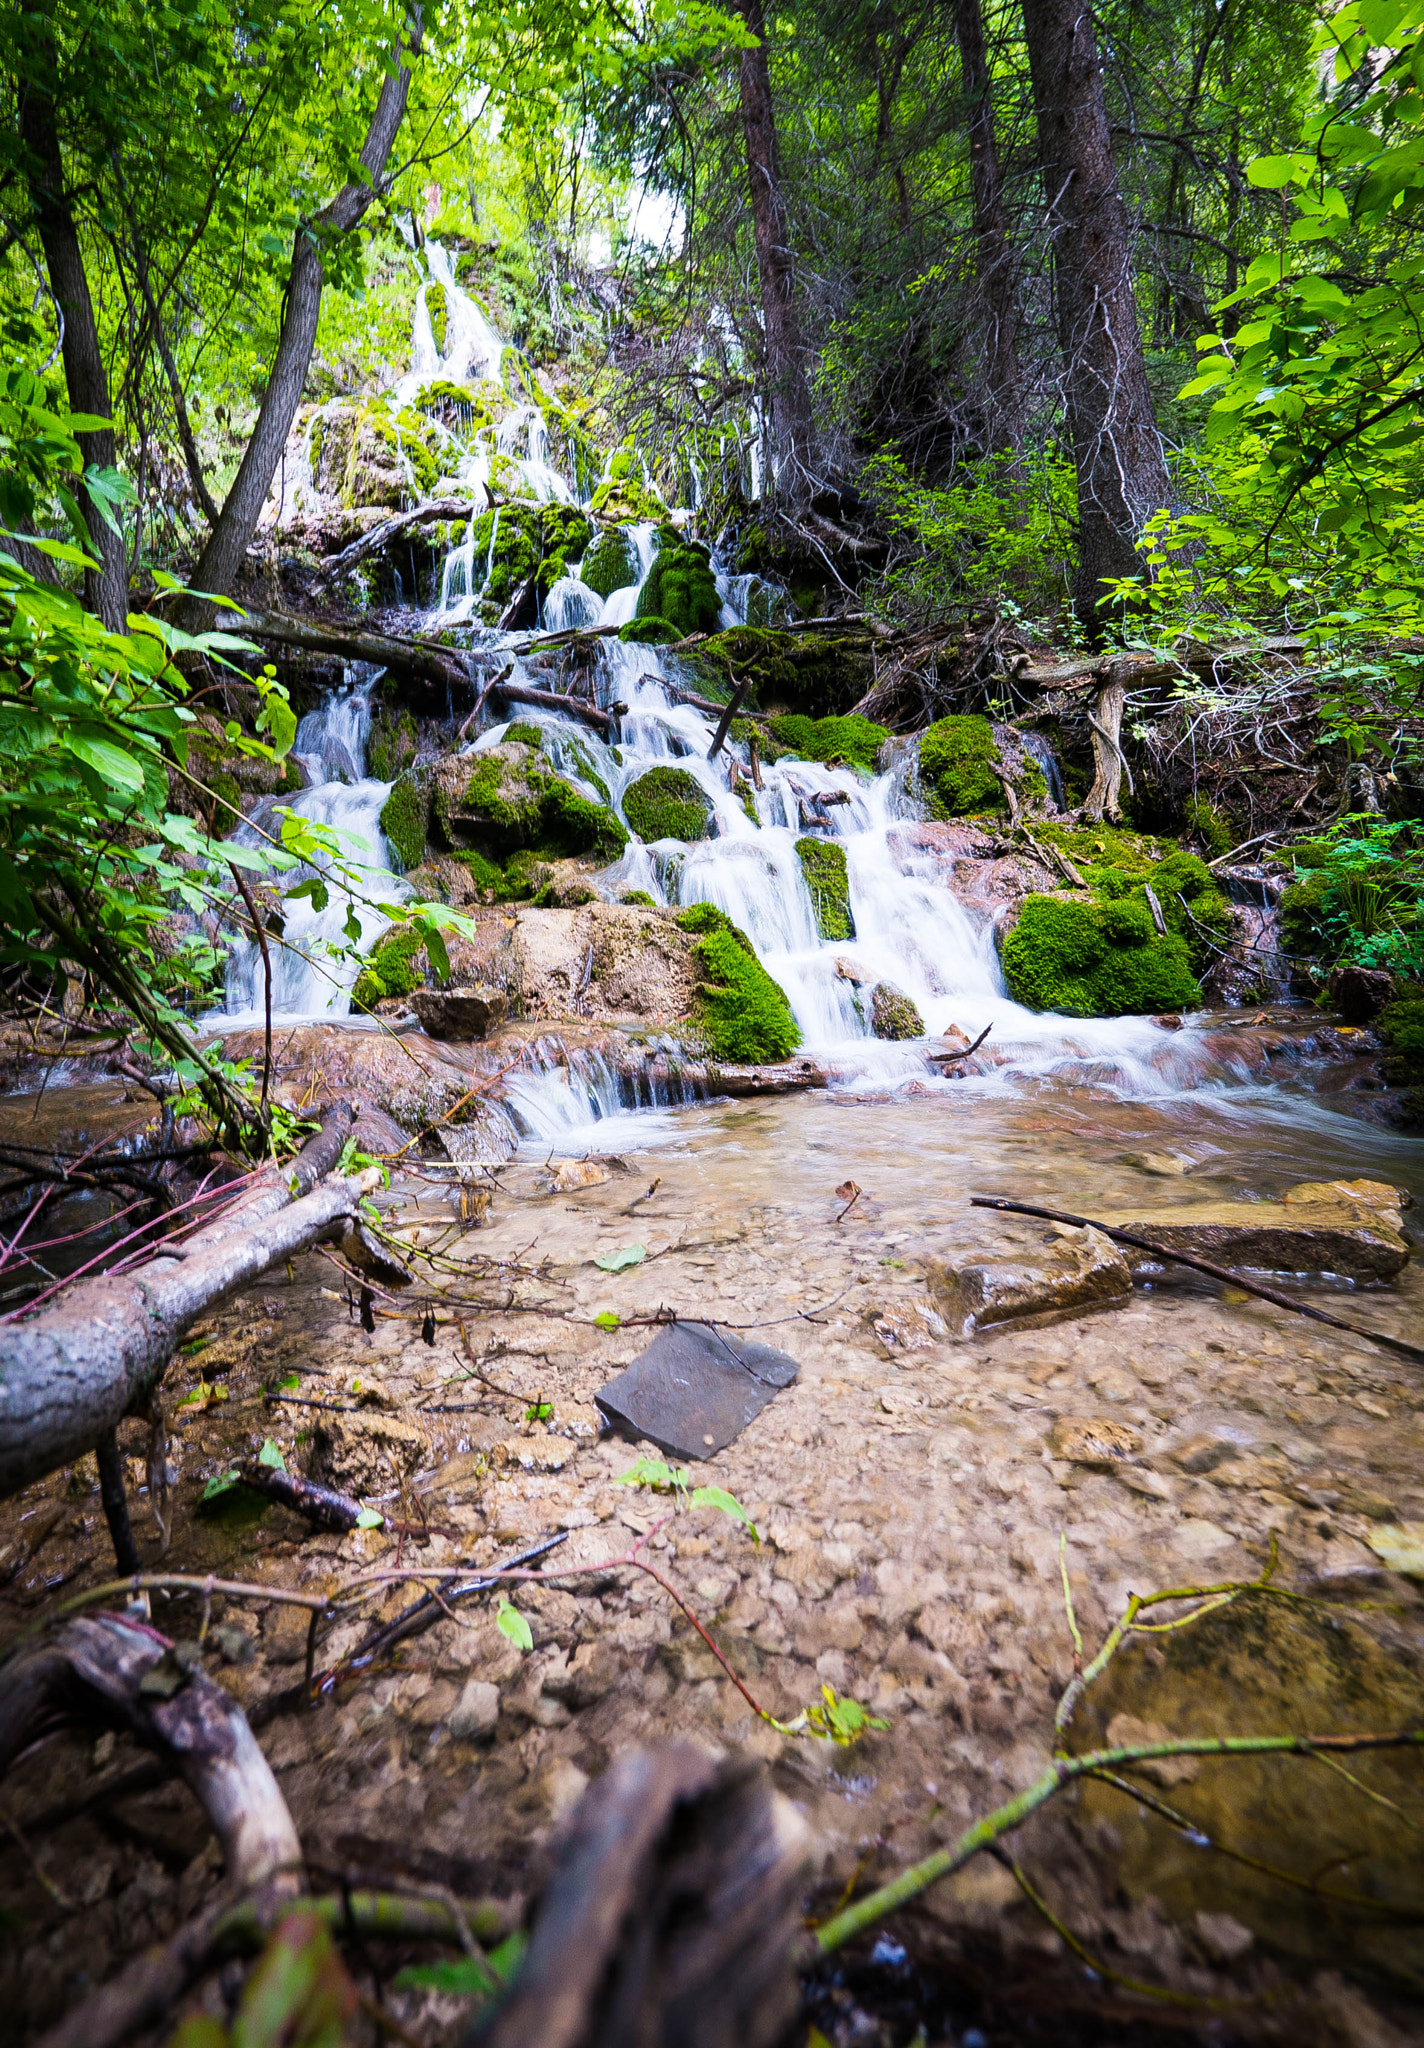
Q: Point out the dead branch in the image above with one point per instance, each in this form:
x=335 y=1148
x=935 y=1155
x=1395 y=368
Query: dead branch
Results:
x=411 y=657
x=380 y=537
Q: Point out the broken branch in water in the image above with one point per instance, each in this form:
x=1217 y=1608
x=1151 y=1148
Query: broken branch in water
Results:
x=1207 y=1266
x=945 y=1057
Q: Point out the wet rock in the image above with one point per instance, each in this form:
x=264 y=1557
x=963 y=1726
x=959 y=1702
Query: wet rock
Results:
x=1343 y=1237
x=1099 y=1443
x=1381 y=1196
x=892 y=1014
x=361 y=1454
x=476 y=1712
x=695 y=1389
x=460 y=1012
x=909 y=1326
x=1224 y=1939
x=1079 y=1270
x=570 y=1174
x=1400 y=1546
x=1360 y=993
x=1125 y=1731
x=784 y=1079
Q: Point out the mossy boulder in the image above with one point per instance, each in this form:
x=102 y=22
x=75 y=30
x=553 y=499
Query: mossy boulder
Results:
x=611 y=561
x=391 y=744
x=818 y=674
x=957 y=761
x=565 y=534
x=680 y=586
x=850 y=738
x=623 y=496
x=1401 y=1026
x=823 y=863
x=892 y=1014
x=741 y=1013
x=392 y=969
x=512 y=800
x=649 y=632
x=1212 y=827
x=391 y=455
x=1089 y=959
x=404 y=820
x=522 y=734
x=667 y=803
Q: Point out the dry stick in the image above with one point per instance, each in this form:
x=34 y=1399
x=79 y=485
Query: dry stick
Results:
x=943 y=1057
x=1214 y=1272
x=1064 y=1770
x=261 y=936
x=729 y=712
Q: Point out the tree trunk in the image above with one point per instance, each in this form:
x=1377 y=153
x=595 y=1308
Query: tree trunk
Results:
x=1122 y=478
x=71 y=1372
x=1104 y=798
x=998 y=281
x=105 y=588
x=781 y=330
x=222 y=557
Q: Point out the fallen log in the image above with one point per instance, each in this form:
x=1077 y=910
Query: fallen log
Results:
x=415 y=657
x=391 y=529
x=71 y=1371
x=553 y=700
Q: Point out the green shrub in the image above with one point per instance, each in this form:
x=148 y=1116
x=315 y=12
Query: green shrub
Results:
x=638 y=898
x=823 y=863
x=848 y=738
x=742 y=1014
x=404 y=820
x=1084 y=959
x=667 y=803
x=955 y=773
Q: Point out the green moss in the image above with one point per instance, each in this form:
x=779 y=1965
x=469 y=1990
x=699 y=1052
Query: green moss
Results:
x=514 y=800
x=1205 y=822
x=565 y=535
x=623 y=496
x=892 y=1014
x=574 y=750
x=680 y=587
x=667 y=803
x=517 y=532
x=1305 y=909
x=849 y=738
x=435 y=307
x=392 y=745
x=611 y=562
x=823 y=863
x=1087 y=959
x=225 y=804
x=955 y=772
x=649 y=632
x=742 y=1014
x=404 y=820
x=1401 y=1026
x=391 y=969
x=292 y=778
x=818 y=674
x=526 y=735
x=638 y=897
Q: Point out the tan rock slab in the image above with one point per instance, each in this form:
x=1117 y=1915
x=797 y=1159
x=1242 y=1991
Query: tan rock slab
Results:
x=1353 y=1239
x=1098 y=1442
x=1080 y=1270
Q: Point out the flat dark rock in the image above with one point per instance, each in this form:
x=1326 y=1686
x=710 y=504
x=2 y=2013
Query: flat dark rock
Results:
x=695 y=1389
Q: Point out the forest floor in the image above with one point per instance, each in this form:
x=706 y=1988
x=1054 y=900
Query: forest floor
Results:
x=910 y=1492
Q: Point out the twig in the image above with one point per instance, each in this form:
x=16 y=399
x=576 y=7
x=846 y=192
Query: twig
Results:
x=1215 y=1272
x=941 y=1058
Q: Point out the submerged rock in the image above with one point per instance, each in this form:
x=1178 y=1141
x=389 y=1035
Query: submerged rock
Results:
x=1353 y=1239
x=1081 y=1270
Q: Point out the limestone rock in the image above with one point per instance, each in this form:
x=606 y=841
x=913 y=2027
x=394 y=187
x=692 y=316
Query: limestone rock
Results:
x=1125 y=1731
x=1099 y=1443
x=460 y=1012
x=1079 y=1270
x=909 y=1326
x=892 y=1014
x=366 y=1453
x=1224 y=1939
x=1340 y=1236
x=576 y=1173
x=476 y=1712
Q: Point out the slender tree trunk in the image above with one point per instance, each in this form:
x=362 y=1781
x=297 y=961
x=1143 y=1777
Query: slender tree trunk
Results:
x=785 y=360
x=105 y=588
x=1122 y=477
x=998 y=280
x=222 y=557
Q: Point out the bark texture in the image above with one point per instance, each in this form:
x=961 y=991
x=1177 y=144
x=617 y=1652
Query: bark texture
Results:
x=87 y=382
x=1104 y=799
x=671 y=1919
x=998 y=282
x=70 y=1373
x=785 y=361
x=1122 y=478
x=222 y=557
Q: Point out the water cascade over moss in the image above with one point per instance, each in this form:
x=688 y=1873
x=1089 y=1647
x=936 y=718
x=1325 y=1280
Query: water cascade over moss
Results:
x=742 y=1014
x=823 y=863
x=667 y=803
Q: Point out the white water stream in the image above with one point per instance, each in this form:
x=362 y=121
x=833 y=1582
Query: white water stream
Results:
x=910 y=929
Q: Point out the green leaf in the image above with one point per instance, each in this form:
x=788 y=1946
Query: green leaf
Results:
x=718 y=1497
x=618 y=1262
x=512 y=1624
x=270 y=1456
x=369 y=1519
x=653 y=1472
x=106 y=759
x=219 y=1484
x=606 y=1320
x=1273 y=173
x=466 y=1977
x=435 y=951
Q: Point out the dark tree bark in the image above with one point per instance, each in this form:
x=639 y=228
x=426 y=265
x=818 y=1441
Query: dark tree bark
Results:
x=105 y=588
x=1122 y=478
x=222 y=557
x=998 y=281
x=784 y=354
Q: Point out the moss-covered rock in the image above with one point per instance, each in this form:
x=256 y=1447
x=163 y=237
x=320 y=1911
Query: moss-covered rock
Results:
x=392 y=968
x=849 y=738
x=611 y=561
x=565 y=534
x=405 y=818
x=742 y=1014
x=623 y=496
x=680 y=586
x=667 y=803
x=818 y=674
x=1089 y=959
x=823 y=863
x=649 y=632
x=957 y=760
x=524 y=735
x=1305 y=911
x=638 y=898
x=892 y=1014
x=391 y=455
x=508 y=548
x=1211 y=826
x=1401 y=1026
x=391 y=744
x=512 y=800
